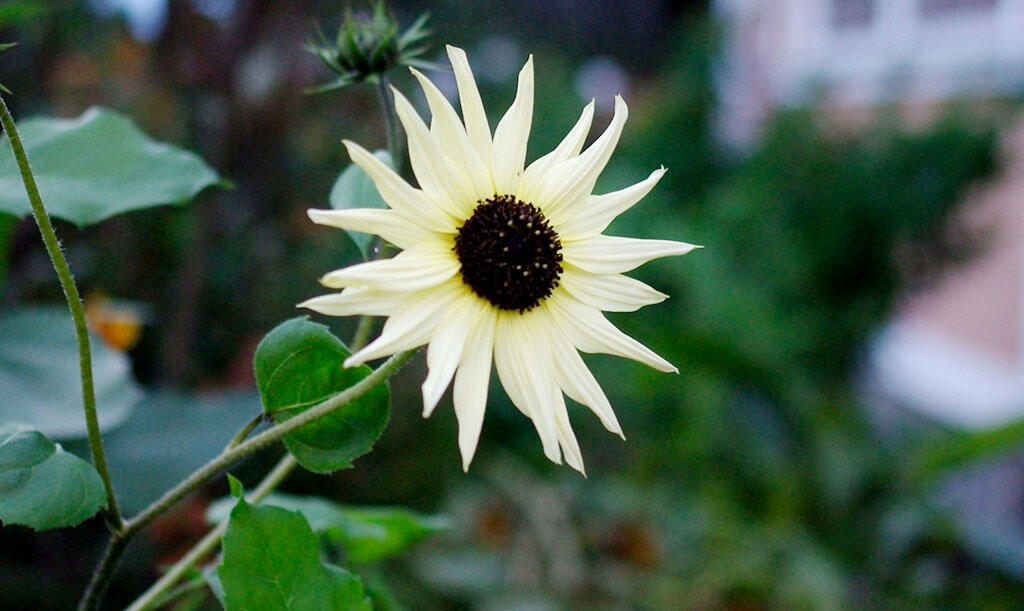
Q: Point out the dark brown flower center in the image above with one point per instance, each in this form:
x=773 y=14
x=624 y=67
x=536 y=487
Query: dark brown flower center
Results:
x=509 y=253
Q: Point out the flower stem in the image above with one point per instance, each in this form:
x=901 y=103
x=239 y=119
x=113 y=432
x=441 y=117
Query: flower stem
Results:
x=67 y=283
x=227 y=458
x=392 y=129
x=155 y=594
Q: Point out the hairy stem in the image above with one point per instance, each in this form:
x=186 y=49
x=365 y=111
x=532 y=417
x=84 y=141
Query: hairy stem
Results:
x=67 y=283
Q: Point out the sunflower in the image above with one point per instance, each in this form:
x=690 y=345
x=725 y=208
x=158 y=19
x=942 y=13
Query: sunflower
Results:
x=499 y=263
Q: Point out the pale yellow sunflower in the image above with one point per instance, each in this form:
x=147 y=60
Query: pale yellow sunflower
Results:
x=499 y=263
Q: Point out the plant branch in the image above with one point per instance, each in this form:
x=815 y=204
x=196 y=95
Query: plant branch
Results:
x=67 y=283
x=225 y=459
x=207 y=544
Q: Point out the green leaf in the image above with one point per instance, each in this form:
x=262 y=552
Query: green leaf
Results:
x=98 y=165
x=39 y=376
x=271 y=561
x=298 y=365
x=41 y=485
x=366 y=533
x=355 y=189
x=236 y=486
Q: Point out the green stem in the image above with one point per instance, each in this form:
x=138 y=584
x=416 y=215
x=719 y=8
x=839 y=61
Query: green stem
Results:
x=67 y=283
x=391 y=126
x=248 y=428
x=362 y=333
x=227 y=458
x=104 y=571
x=155 y=594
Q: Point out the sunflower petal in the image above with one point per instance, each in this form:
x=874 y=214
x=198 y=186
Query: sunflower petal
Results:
x=469 y=392
x=410 y=325
x=451 y=136
x=599 y=211
x=402 y=197
x=567 y=185
x=609 y=292
x=440 y=178
x=355 y=300
x=570 y=146
x=473 y=112
x=576 y=379
x=422 y=266
x=511 y=135
x=445 y=350
x=522 y=369
x=388 y=224
x=590 y=331
x=566 y=436
x=603 y=254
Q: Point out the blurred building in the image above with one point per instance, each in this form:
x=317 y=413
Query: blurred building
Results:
x=955 y=351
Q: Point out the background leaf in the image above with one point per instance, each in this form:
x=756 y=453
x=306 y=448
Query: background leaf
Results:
x=355 y=189
x=98 y=165
x=299 y=364
x=271 y=561
x=39 y=378
x=41 y=485
x=366 y=533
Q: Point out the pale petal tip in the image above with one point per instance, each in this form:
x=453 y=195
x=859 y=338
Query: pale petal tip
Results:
x=317 y=215
x=430 y=399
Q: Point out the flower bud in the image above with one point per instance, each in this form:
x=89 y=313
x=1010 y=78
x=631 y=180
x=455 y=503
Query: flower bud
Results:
x=368 y=45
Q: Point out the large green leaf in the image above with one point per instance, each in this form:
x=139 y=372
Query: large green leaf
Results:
x=365 y=533
x=41 y=485
x=299 y=364
x=98 y=165
x=271 y=561
x=355 y=189
x=39 y=376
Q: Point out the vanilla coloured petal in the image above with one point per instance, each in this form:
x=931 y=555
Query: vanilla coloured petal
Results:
x=473 y=112
x=590 y=331
x=603 y=254
x=524 y=369
x=510 y=136
x=402 y=197
x=536 y=172
x=388 y=224
x=445 y=349
x=576 y=379
x=608 y=292
x=355 y=300
x=441 y=179
x=424 y=265
x=451 y=137
x=469 y=392
x=599 y=211
x=411 y=324
x=566 y=185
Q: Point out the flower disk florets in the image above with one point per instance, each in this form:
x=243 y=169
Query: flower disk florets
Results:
x=509 y=254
